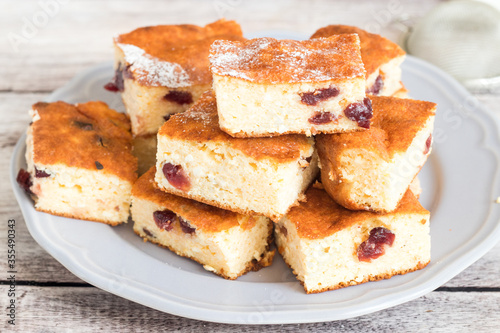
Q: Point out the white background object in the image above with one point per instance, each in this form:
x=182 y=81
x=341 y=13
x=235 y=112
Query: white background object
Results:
x=463 y=38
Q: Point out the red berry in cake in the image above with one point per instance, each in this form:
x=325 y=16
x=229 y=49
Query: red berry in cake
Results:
x=116 y=83
x=24 y=180
x=176 y=176
x=186 y=228
x=321 y=118
x=428 y=145
x=179 y=97
x=318 y=95
x=41 y=173
x=374 y=246
x=360 y=112
x=164 y=219
x=376 y=87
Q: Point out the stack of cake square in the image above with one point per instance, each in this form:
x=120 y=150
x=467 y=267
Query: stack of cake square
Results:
x=231 y=187
x=241 y=142
x=247 y=147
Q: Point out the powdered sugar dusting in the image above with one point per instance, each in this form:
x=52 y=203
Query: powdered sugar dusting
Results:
x=287 y=61
x=154 y=71
x=203 y=113
x=200 y=116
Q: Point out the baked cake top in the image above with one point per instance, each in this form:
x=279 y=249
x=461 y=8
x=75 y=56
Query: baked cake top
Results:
x=90 y=136
x=320 y=216
x=201 y=124
x=394 y=125
x=268 y=60
x=200 y=215
x=174 y=55
x=375 y=49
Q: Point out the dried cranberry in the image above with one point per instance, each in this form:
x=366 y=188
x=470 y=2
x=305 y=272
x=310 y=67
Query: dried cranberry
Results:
x=127 y=73
x=186 y=228
x=164 y=219
x=24 y=180
x=176 y=176
x=322 y=118
x=83 y=126
x=179 y=97
x=116 y=83
x=41 y=173
x=283 y=230
x=376 y=87
x=111 y=86
x=147 y=232
x=360 y=112
x=374 y=247
x=428 y=145
x=318 y=95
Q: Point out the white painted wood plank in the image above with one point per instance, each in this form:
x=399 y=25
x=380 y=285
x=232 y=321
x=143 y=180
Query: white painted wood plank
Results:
x=79 y=34
x=93 y=310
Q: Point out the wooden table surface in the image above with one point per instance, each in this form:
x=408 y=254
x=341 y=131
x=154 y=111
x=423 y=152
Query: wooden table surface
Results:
x=45 y=43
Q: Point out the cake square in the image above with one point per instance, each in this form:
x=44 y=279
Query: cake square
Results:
x=226 y=243
x=381 y=57
x=266 y=86
x=371 y=170
x=329 y=247
x=264 y=176
x=164 y=69
x=80 y=161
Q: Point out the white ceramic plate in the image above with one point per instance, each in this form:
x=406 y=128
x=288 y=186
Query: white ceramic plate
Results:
x=460 y=183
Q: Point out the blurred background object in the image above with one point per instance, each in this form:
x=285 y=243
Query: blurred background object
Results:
x=463 y=38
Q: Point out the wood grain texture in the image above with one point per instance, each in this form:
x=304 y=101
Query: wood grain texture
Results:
x=79 y=33
x=78 y=36
x=93 y=310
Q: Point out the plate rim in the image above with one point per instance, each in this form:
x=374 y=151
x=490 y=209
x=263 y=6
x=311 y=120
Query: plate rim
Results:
x=313 y=315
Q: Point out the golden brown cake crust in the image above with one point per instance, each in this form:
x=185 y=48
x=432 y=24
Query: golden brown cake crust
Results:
x=375 y=49
x=268 y=60
x=201 y=124
x=186 y=45
x=200 y=215
x=319 y=216
x=90 y=136
x=393 y=127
